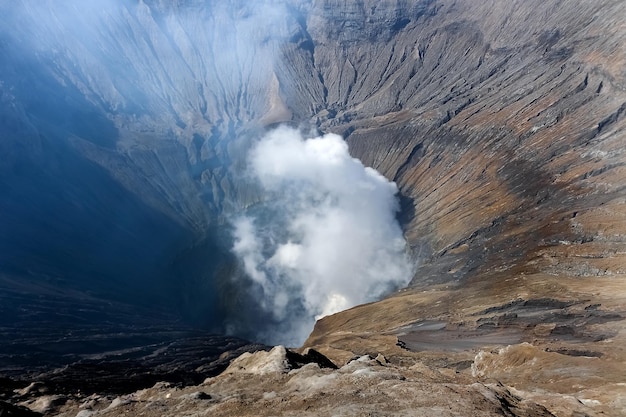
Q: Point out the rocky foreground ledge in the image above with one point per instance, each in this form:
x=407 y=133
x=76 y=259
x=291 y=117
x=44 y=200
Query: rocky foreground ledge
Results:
x=282 y=382
x=538 y=346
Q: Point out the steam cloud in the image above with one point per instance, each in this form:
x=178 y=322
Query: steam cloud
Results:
x=326 y=238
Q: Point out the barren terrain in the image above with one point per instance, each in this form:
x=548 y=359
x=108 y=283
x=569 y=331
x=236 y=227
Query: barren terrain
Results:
x=503 y=124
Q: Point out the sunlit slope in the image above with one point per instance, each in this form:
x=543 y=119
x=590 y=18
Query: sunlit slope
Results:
x=502 y=121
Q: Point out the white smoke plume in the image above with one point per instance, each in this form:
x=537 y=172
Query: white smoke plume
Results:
x=326 y=238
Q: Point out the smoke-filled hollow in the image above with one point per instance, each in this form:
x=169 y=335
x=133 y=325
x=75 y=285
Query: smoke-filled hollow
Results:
x=325 y=236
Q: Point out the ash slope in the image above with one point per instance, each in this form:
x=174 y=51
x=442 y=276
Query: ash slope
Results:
x=502 y=123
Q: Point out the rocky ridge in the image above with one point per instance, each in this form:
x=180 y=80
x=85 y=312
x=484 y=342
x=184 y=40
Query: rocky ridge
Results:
x=275 y=384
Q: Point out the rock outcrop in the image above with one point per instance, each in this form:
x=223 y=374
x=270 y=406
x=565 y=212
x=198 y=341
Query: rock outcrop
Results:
x=362 y=386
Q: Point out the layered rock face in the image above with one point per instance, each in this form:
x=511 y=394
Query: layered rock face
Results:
x=502 y=122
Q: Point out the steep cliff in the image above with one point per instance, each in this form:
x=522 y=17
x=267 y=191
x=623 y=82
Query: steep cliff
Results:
x=502 y=122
